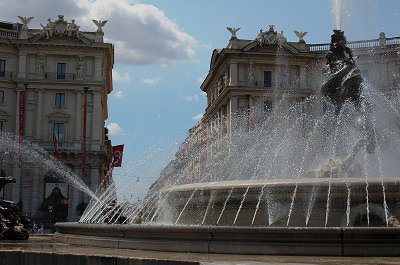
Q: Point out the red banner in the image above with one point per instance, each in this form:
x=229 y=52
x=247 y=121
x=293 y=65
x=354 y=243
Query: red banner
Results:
x=55 y=146
x=84 y=130
x=21 y=118
x=118 y=151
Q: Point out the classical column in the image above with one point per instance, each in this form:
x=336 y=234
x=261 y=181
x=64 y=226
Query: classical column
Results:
x=39 y=113
x=94 y=179
x=96 y=121
x=98 y=68
x=303 y=76
x=78 y=116
x=233 y=74
x=22 y=65
x=231 y=112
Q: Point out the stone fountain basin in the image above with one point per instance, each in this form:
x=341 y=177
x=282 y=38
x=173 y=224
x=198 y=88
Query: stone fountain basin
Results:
x=349 y=199
x=359 y=241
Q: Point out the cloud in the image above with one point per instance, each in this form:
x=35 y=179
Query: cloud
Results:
x=119 y=94
x=192 y=98
x=150 y=81
x=118 y=77
x=197 y=117
x=114 y=129
x=201 y=79
x=141 y=34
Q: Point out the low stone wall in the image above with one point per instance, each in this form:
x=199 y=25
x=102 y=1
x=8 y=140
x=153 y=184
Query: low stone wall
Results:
x=384 y=241
x=20 y=257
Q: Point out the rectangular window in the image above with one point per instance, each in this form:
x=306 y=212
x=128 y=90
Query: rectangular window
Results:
x=60 y=100
x=1 y=96
x=61 y=70
x=1 y=127
x=267 y=79
x=3 y=68
x=59 y=130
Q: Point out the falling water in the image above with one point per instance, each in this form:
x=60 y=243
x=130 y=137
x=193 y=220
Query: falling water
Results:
x=337 y=11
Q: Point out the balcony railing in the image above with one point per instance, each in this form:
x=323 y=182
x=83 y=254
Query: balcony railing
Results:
x=323 y=47
x=9 y=34
x=6 y=74
x=55 y=76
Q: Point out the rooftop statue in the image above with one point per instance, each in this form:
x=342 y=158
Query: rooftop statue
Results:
x=25 y=21
x=233 y=32
x=300 y=35
x=13 y=224
x=100 y=24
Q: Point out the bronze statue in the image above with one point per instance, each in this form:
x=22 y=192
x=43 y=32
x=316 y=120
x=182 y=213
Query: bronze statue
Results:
x=13 y=224
x=344 y=82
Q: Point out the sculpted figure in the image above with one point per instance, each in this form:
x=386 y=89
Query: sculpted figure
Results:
x=25 y=21
x=233 y=32
x=13 y=224
x=100 y=24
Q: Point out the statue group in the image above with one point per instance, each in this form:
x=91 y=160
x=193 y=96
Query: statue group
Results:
x=13 y=224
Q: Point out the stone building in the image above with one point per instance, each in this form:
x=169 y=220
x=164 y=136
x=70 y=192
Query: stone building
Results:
x=54 y=83
x=258 y=72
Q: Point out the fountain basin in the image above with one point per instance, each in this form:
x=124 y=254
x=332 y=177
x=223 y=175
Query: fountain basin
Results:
x=356 y=241
x=316 y=202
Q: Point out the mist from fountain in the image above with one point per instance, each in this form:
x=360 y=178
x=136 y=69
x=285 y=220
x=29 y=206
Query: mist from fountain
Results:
x=297 y=144
x=30 y=156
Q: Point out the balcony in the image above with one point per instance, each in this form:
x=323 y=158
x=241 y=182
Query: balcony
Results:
x=57 y=76
x=6 y=74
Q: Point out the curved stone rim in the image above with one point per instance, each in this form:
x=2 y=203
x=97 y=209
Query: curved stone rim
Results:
x=335 y=241
x=232 y=184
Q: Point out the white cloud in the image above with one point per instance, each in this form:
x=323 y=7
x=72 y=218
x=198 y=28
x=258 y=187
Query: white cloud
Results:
x=119 y=94
x=142 y=34
x=118 y=77
x=150 y=81
x=114 y=129
x=192 y=98
x=201 y=79
x=197 y=117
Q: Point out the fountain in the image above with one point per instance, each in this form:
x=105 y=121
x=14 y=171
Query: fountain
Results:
x=318 y=182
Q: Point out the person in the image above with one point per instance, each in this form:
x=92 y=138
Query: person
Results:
x=34 y=227
x=42 y=229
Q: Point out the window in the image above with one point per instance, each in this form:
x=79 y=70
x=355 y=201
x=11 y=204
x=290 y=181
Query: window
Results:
x=61 y=70
x=60 y=100
x=1 y=127
x=1 y=96
x=3 y=68
x=58 y=129
x=267 y=79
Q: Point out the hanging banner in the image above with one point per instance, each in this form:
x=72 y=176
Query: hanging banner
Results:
x=118 y=151
x=55 y=146
x=84 y=130
x=21 y=118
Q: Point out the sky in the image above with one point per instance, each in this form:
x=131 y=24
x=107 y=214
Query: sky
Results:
x=163 y=50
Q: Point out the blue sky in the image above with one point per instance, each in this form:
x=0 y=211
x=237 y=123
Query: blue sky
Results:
x=163 y=50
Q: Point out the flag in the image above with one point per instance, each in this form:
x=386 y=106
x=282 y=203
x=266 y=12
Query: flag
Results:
x=55 y=146
x=117 y=155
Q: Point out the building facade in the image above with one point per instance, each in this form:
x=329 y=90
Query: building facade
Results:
x=54 y=84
